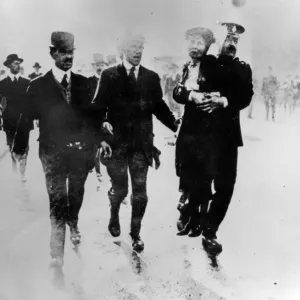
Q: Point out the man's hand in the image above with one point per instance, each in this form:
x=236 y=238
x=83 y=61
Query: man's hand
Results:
x=212 y=103
x=196 y=97
x=107 y=127
x=105 y=149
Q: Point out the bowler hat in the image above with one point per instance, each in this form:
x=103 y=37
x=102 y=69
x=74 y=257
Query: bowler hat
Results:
x=62 y=40
x=37 y=65
x=98 y=58
x=11 y=58
x=112 y=59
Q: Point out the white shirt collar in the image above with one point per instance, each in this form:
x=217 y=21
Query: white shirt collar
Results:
x=59 y=74
x=12 y=76
x=128 y=66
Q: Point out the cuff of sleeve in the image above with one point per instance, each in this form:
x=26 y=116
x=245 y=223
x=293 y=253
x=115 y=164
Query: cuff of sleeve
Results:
x=225 y=102
x=190 y=95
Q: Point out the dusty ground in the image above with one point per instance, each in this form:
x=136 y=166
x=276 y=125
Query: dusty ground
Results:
x=259 y=235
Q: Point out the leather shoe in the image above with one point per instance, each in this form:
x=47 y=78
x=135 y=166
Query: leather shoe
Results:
x=182 y=221
x=186 y=229
x=137 y=244
x=114 y=226
x=211 y=245
x=195 y=231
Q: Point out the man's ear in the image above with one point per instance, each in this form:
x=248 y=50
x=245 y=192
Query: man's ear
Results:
x=52 y=52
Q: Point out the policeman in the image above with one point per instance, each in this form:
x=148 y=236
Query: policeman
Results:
x=237 y=88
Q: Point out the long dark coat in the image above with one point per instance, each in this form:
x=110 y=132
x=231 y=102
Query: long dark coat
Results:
x=203 y=137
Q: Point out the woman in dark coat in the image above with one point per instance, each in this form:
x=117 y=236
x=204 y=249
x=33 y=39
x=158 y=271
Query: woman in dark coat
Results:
x=198 y=142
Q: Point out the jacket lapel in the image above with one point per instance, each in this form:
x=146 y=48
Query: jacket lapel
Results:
x=53 y=86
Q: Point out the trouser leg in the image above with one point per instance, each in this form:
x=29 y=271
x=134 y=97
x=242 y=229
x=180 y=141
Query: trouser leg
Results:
x=56 y=176
x=138 y=168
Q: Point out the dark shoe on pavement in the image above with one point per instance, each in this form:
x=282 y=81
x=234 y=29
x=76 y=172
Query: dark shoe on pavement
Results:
x=114 y=225
x=186 y=229
x=182 y=221
x=137 y=243
x=195 y=231
x=211 y=245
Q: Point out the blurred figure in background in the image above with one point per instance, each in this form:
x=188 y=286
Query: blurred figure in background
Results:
x=270 y=87
x=111 y=59
x=254 y=98
x=98 y=64
x=171 y=80
x=36 y=72
x=15 y=124
x=2 y=74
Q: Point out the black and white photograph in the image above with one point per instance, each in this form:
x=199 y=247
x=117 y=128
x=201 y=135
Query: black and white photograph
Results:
x=149 y=149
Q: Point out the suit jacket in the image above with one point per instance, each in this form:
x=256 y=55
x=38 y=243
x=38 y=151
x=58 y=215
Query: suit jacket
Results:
x=16 y=104
x=60 y=122
x=130 y=106
x=34 y=75
x=93 y=83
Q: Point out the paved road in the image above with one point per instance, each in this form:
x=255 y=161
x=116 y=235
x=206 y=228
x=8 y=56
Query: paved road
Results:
x=259 y=235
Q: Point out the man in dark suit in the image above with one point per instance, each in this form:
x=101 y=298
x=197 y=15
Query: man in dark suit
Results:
x=237 y=88
x=36 y=72
x=15 y=123
x=68 y=123
x=131 y=94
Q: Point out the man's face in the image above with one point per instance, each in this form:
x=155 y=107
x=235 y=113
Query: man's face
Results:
x=63 y=59
x=197 y=47
x=15 y=67
x=134 y=52
x=229 y=47
x=37 y=70
x=99 y=66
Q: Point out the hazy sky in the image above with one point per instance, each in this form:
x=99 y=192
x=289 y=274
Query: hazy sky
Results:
x=270 y=36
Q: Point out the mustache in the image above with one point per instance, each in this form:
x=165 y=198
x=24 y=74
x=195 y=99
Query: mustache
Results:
x=231 y=48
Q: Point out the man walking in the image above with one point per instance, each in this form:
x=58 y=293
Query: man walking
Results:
x=237 y=87
x=15 y=124
x=131 y=95
x=60 y=101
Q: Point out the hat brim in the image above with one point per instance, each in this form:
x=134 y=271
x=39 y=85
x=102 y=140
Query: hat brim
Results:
x=8 y=62
x=62 y=47
x=37 y=66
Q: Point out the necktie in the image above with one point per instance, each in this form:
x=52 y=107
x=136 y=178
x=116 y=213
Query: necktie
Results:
x=64 y=82
x=15 y=80
x=131 y=74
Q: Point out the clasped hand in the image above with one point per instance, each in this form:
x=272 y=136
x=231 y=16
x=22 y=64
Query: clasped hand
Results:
x=207 y=102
